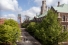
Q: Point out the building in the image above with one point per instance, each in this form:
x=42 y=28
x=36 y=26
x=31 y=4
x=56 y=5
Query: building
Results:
x=43 y=12
x=2 y=21
x=43 y=7
x=19 y=20
x=61 y=10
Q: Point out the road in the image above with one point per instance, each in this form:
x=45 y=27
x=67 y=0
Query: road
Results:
x=27 y=39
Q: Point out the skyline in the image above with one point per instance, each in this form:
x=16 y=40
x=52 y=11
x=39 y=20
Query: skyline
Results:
x=11 y=8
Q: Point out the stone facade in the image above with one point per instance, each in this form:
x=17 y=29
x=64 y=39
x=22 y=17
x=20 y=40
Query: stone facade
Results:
x=43 y=7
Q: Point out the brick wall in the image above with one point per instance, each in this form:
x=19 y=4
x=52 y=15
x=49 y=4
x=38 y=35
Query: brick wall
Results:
x=1 y=21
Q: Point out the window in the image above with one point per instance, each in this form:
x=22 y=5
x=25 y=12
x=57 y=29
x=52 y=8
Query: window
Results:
x=63 y=18
x=64 y=27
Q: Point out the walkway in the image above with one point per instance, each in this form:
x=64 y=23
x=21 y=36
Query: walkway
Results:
x=27 y=39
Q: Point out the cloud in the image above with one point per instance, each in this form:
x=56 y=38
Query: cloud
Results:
x=9 y=5
x=64 y=1
x=31 y=12
x=51 y=2
x=12 y=5
x=10 y=16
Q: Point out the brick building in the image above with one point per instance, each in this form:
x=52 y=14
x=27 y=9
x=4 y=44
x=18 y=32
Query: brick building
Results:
x=1 y=20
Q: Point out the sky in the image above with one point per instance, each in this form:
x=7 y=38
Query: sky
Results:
x=11 y=8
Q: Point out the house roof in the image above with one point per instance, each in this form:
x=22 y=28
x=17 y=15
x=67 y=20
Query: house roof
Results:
x=62 y=8
x=39 y=16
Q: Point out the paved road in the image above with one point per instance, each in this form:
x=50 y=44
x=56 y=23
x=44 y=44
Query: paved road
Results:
x=27 y=39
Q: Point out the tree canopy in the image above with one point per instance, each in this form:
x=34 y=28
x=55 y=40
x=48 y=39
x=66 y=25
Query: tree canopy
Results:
x=9 y=31
x=49 y=31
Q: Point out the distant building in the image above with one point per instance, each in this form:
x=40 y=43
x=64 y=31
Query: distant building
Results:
x=43 y=7
x=2 y=21
x=19 y=19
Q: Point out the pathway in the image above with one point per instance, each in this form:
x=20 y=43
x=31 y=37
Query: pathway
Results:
x=27 y=39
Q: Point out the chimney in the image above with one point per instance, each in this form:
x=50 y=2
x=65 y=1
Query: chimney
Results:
x=58 y=3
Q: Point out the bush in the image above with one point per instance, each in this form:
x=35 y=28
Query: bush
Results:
x=9 y=32
x=24 y=25
x=31 y=27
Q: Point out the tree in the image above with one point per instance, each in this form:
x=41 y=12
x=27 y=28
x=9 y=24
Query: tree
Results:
x=11 y=23
x=9 y=32
x=49 y=31
x=31 y=27
x=52 y=29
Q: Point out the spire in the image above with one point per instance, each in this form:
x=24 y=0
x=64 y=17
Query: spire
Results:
x=43 y=7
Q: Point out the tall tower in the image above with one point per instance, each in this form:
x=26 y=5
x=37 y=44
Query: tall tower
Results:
x=43 y=7
x=19 y=19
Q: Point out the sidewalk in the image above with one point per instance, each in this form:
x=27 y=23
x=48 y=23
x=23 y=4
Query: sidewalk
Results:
x=27 y=39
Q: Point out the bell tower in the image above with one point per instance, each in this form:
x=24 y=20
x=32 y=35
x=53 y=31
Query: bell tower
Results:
x=43 y=7
x=19 y=19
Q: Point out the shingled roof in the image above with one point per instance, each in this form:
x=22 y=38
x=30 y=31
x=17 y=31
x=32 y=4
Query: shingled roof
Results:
x=62 y=8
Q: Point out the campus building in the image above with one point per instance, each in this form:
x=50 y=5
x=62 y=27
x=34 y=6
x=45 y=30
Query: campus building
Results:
x=19 y=20
x=61 y=10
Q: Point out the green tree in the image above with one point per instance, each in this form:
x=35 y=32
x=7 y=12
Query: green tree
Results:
x=52 y=29
x=49 y=31
x=31 y=27
x=11 y=22
x=9 y=32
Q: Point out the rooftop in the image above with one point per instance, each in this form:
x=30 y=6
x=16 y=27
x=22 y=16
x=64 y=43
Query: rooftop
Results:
x=62 y=8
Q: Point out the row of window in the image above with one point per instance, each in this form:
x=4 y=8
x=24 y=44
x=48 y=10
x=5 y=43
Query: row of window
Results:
x=64 y=18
